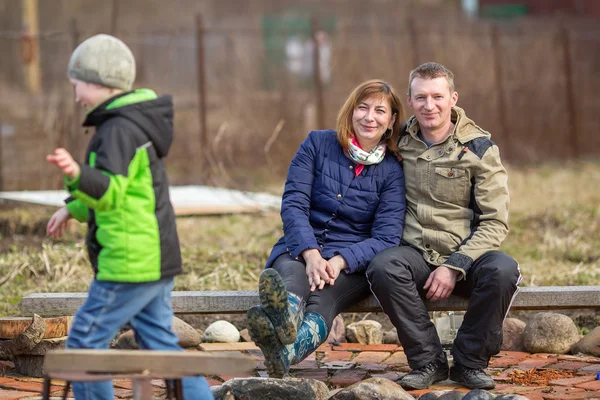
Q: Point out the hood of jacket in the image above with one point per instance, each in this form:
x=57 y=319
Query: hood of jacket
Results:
x=152 y=114
x=465 y=129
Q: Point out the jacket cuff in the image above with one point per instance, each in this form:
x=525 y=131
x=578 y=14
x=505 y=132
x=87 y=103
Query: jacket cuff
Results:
x=350 y=260
x=459 y=262
x=297 y=252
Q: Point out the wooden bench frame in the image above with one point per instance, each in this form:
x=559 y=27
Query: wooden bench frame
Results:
x=236 y=302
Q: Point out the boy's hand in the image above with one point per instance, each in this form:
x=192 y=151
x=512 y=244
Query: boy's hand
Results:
x=63 y=160
x=58 y=222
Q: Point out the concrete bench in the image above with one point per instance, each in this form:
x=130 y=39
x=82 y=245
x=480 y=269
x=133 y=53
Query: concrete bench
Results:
x=140 y=366
x=235 y=302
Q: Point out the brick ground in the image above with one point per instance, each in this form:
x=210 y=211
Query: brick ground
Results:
x=340 y=366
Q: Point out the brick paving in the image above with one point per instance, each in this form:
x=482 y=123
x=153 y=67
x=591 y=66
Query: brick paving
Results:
x=348 y=363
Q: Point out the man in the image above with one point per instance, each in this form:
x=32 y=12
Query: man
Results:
x=456 y=218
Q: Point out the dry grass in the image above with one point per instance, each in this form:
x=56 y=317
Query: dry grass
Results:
x=555 y=231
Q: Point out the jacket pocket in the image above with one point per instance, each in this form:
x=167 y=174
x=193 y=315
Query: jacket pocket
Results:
x=451 y=185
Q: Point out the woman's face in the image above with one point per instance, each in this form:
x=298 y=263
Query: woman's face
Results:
x=370 y=119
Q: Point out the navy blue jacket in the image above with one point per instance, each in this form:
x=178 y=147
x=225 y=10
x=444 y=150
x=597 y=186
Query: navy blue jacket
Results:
x=326 y=207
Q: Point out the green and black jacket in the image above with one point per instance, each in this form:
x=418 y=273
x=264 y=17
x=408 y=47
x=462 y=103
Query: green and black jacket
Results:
x=123 y=191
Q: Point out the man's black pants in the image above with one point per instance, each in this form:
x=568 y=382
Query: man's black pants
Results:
x=397 y=276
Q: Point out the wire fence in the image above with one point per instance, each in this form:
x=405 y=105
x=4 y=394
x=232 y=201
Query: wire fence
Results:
x=245 y=97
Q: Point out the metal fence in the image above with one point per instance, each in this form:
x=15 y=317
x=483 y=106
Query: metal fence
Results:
x=247 y=96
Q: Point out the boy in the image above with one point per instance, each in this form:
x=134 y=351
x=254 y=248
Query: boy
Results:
x=122 y=192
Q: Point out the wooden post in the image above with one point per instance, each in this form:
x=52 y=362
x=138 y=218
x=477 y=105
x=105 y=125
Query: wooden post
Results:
x=32 y=40
x=201 y=78
x=572 y=119
x=500 y=93
x=317 y=79
x=72 y=139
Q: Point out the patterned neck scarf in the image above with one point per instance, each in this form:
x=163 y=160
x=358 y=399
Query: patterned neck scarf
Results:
x=362 y=158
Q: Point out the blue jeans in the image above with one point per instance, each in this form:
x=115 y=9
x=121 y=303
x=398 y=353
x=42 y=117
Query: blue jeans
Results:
x=147 y=308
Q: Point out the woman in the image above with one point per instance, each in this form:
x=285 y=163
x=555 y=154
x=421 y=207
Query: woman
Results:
x=343 y=203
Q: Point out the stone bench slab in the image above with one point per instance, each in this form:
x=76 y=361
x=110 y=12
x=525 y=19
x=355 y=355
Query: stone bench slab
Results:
x=235 y=302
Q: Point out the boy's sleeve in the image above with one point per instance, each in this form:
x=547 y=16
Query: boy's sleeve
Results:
x=102 y=184
x=77 y=209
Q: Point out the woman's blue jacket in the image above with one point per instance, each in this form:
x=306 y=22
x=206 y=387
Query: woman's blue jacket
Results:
x=326 y=207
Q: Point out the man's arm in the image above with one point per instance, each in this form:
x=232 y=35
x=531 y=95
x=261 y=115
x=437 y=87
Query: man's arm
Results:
x=490 y=202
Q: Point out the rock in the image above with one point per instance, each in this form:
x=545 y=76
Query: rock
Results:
x=126 y=340
x=479 y=394
x=511 y=397
x=548 y=332
x=245 y=336
x=452 y=395
x=435 y=395
x=364 y=332
x=188 y=336
x=270 y=388
x=32 y=366
x=512 y=335
x=221 y=332
x=338 y=331
x=373 y=389
x=589 y=344
x=391 y=337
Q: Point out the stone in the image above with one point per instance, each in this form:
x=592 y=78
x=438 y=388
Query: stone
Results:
x=479 y=394
x=512 y=335
x=364 y=332
x=271 y=388
x=245 y=336
x=435 y=395
x=391 y=337
x=373 y=389
x=188 y=336
x=338 y=331
x=549 y=332
x=452 y=395
x=511 y=397
x=221 y=332
x=589 y=344
x=32 y=366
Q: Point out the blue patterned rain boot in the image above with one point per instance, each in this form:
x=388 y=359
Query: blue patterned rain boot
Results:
x=283 y=308
x=277 y=355
x=311 y=334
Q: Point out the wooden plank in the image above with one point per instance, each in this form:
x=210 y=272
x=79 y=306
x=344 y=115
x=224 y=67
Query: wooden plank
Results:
x=235 y=302
x=147 y=362
x=11 y=327
x=238 y=346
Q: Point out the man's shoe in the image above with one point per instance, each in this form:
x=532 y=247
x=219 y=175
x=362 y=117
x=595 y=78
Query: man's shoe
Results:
x=422 y=378
x=471 y=377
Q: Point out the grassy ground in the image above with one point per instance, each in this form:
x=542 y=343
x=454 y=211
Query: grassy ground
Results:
x=555 y=232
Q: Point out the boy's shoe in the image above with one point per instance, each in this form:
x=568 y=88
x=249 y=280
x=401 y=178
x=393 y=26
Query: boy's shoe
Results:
x=277 y=356
x=422 y=378
x=285 y=310
x=472 y=378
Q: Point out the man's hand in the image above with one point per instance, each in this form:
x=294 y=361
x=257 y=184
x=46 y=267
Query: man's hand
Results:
x=63 y=160
x=441 y=283
x=336 y=264
x=316 y=269
x=58 y=222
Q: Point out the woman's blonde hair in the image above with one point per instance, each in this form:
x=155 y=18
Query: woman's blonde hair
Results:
x=369 y=89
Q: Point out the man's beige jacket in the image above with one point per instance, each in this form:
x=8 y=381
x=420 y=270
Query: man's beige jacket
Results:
x=456 y=194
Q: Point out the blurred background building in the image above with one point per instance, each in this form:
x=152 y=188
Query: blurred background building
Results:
x=251 y=78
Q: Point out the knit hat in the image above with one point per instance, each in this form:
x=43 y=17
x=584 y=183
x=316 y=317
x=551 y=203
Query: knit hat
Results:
x=104 y=60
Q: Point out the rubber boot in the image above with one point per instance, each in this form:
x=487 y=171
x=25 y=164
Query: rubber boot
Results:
x=283 y=308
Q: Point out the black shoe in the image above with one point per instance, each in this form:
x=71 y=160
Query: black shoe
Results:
x=422 y=378
x=471 y=377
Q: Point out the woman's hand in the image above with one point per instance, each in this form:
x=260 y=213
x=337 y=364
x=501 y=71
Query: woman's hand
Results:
x=316 y=269
x=336 y=265
x=58 y=222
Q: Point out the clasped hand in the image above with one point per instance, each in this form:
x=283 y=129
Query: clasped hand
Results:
x=321 y=272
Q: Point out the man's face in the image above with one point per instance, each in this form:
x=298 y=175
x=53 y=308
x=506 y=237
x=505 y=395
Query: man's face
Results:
x=431 y=102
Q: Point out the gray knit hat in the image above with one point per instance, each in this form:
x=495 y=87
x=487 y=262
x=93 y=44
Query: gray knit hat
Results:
x=105 y=60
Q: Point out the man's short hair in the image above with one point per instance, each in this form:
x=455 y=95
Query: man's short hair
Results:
x=431 y=70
